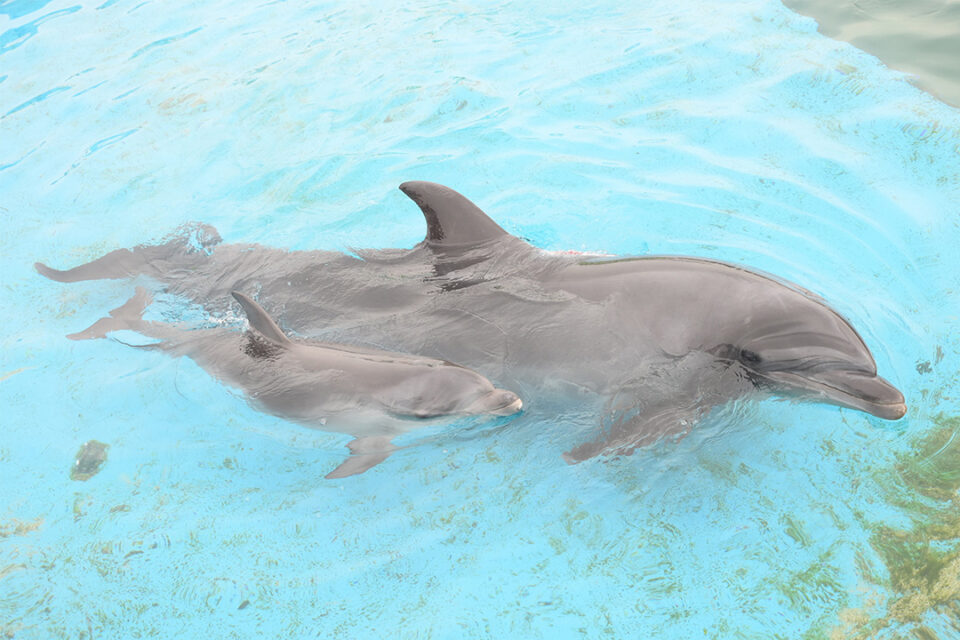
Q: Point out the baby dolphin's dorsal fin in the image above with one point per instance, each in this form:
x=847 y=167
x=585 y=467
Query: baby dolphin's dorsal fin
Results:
x=259 y=320
x=452 y=220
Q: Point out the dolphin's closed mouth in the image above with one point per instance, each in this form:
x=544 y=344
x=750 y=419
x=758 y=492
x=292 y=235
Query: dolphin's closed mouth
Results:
x=856 y=390
x=510 y=409
x=498 y=402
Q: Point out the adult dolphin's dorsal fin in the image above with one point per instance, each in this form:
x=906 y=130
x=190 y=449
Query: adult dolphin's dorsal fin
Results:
x=259 y=320
x=452 y=220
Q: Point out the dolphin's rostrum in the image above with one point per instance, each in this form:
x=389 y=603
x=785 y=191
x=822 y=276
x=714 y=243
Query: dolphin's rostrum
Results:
x=651 y=342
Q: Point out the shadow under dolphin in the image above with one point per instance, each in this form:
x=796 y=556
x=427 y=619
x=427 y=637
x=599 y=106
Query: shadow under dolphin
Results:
x=655 y=341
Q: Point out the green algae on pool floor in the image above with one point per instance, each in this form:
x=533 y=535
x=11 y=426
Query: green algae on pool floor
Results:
x=922 y=561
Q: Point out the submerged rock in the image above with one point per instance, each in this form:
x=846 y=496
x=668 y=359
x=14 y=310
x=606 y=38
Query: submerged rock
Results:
x=90 y=458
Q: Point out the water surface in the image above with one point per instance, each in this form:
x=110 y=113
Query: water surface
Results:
x=739 y=133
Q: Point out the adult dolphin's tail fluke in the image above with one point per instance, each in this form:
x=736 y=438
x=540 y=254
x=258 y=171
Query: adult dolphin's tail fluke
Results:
x=649 y=344
x=189 y=245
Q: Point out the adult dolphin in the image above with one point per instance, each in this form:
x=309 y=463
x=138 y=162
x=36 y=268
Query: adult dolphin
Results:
x=370 y=394
x=655 y=341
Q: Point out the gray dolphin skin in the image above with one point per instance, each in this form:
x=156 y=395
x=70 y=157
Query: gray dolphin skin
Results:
x=372 y=395
x=648 y=344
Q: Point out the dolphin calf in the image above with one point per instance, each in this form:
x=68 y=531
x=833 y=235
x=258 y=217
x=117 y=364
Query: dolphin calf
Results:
x=650 y=343
x=370 y=394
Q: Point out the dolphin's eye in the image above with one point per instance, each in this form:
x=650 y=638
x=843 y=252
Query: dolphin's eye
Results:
x=751 y=357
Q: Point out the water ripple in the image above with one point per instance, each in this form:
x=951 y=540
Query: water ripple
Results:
x=40 y=98
x=18 y=36
x=163 y=42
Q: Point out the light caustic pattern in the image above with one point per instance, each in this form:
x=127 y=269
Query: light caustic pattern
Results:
x=738 y=133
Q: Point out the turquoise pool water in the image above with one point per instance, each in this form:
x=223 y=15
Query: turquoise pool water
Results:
x=738 y=133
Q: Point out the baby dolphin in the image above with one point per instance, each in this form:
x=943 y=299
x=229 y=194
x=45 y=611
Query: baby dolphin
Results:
x=370 y=394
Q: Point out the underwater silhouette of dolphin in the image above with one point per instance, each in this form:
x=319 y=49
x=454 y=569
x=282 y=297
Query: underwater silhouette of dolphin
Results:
x=370 y=394
x=654 y=341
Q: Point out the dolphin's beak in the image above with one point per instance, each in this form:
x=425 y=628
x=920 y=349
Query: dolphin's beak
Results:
x=853 y=389
x=498 y=402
